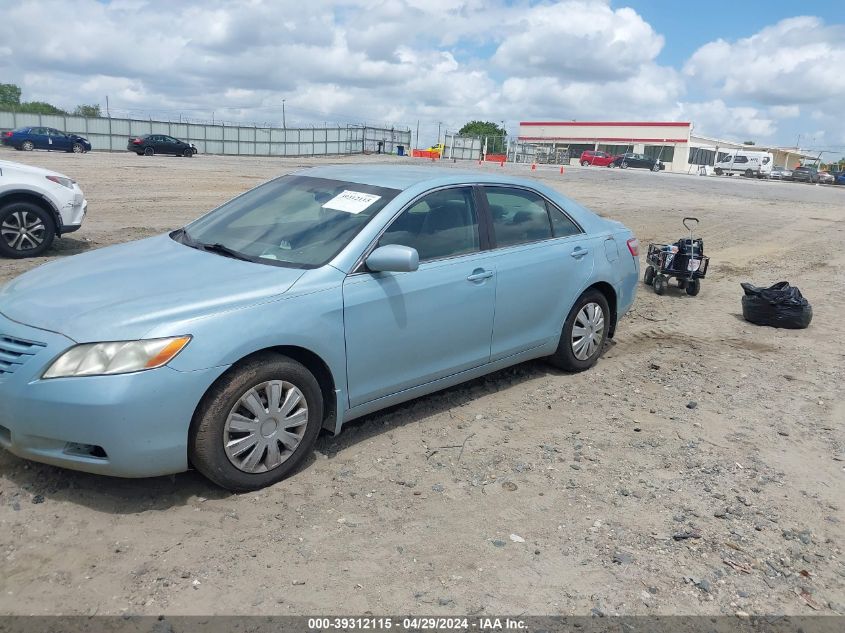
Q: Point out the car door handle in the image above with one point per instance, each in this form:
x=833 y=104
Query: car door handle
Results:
x=480 y=275
x=579 y=252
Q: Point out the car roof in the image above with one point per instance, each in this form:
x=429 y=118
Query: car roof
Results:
x=406 y=176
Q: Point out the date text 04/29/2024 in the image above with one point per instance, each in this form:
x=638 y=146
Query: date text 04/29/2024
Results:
x=416 y=624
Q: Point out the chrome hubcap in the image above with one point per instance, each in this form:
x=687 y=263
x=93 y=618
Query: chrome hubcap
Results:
x=23 y=230
x=265 y=426
x=587 y=331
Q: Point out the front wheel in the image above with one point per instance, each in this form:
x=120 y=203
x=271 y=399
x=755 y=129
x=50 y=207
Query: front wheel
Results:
x=655 y=167
x=661 y=282
x=693 y=287
x=623 y=165
x=257 y=423
x=718 y=171
x=585 y=163
x=188 y=153
x=77 y=148
x=648 y=277
x=26 y=230
x=584 y=333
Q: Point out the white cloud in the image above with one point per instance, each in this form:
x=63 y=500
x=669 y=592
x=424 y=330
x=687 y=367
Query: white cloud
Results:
x=791 y=62
x=445 y=61
x=581 y=41
x=715 y=118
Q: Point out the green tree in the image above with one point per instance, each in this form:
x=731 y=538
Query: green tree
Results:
x=496 y=135
x=39 y=107
x=92 y=110
x=749 y=143
x=10 y=95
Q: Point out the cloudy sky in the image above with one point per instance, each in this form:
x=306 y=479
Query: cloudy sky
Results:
x=763 y=71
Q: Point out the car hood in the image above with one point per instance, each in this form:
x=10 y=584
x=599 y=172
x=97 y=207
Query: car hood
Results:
x=123 y=292
x=20 y=167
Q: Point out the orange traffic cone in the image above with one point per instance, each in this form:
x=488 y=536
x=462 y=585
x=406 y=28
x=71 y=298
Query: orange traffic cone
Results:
x=561 y=169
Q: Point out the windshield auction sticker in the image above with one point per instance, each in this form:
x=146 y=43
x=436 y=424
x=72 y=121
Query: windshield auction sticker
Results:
x=351 y=201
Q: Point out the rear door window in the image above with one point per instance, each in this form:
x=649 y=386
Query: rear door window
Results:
x=519 y=216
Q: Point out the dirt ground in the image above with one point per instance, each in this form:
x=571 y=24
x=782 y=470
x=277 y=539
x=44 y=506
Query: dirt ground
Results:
x=530 y=491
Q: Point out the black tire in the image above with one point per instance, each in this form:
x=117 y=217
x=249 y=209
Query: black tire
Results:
x=660 y=284
x=77 y=148
x=655 y=167
x=188 y=153
x=682 y=283
x=564 y=357
x=718 y=171
x=27 y=146
x=623 y=165
x=693 y=287
x=748 y=173
x=11 y=217
x=206 y=439
x=648 y=276
x=585 y=163
x=149 y=151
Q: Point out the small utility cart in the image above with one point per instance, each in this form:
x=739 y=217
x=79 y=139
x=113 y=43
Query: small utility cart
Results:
x=684 y=260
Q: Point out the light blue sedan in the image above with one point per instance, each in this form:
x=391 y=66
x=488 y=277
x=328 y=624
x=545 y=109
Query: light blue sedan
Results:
x=300 y=305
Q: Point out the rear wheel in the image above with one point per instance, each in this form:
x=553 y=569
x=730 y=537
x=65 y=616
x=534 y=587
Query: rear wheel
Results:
x=26 y=230
x=718 y=171
x=257 y=423
x=623 y=165
x=748 y=173
x=584 y=333
x=660 y=284
x=648 y=277
x=27 y=146
x=149 y=151
x=585 y=163
x=655 y=167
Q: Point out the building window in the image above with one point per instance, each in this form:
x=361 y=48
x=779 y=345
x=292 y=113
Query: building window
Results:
x=663 y=153
x=701 y=156
x=616 y=150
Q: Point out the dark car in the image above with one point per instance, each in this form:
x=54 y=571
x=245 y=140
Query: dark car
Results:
x=150 y=144
x=637 y=160
x=805 y=174
x=838 y=177
x=30 y=138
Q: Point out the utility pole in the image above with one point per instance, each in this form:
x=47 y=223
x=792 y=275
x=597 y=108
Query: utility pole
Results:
x=418 y=134
x=438 y=132
x=284 y=123
x=108 y=112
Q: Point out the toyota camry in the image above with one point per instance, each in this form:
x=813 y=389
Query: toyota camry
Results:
x=314 y=299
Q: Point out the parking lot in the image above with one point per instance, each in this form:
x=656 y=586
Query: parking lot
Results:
x=697 y=469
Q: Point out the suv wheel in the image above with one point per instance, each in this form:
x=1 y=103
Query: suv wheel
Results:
x=149 y=151
x=26 y=230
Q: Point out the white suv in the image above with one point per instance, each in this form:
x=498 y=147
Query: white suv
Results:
x=36 y=205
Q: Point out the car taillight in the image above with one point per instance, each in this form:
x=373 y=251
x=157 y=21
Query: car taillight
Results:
x=136 y=141
x=8 y=134
x=634 y=247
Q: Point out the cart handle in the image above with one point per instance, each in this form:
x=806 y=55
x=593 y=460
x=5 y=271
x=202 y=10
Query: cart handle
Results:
x=688 y=227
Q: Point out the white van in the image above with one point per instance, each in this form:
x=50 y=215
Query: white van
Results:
x=747 y=163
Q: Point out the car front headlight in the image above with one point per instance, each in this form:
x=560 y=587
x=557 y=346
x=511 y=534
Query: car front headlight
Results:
x=119 y=357
x=61 y=180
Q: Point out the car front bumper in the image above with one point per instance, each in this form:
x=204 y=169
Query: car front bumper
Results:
x=131 y=425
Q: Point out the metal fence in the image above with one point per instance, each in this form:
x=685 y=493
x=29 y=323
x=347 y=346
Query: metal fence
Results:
x=112 y=134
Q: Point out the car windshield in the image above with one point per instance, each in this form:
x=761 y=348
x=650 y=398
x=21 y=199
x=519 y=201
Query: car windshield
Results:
x=297 y=221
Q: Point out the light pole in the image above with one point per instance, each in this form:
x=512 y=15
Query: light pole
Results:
x=284 y=123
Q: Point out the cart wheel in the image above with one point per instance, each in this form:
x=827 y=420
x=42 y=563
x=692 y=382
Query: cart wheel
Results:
x=660 y=284
x=648 y=277
x=693 y=287
x=682 y=283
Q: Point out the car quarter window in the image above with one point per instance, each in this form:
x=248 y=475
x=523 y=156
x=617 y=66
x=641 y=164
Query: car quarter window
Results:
x=442 y=224
x=562 y=226
x=519 y=216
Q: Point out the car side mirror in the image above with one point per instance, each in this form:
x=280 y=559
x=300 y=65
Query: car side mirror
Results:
x=394 y=258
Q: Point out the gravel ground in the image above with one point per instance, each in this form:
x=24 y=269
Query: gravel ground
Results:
x=697 y=469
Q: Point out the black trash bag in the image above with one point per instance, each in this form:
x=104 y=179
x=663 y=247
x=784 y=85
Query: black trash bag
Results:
x=780 y=305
